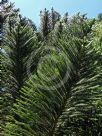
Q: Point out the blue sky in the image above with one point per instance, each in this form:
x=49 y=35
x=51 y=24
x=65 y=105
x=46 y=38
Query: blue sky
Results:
x=31 y=8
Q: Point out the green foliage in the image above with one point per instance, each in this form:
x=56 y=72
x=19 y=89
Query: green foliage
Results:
x=83 y=114
x=19 y=43
x=19 y=46
x=5 y=108
x=44 y=93
x=58 y=79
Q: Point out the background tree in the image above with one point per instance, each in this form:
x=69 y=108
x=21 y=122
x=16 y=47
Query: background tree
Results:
x=48 y=21
x=100 y=17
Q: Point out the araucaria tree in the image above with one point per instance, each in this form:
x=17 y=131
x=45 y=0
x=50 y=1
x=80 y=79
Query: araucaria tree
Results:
x=52 y=79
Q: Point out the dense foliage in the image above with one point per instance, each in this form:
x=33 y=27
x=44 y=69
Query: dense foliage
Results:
x=51 y=80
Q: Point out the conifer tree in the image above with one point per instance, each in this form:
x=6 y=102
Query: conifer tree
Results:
x=51 y=86
x=65 y=99
x=19 y=41
x=48 y=21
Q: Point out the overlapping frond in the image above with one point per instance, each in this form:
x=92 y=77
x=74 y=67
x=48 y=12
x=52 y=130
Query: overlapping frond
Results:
x=83 y=110
x=46 y=92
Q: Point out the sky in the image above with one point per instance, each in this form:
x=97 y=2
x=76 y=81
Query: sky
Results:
x=32 y=8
